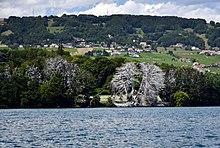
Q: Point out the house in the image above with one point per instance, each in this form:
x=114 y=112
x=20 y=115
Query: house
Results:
x=38 y=46
x=210 y=52
x=184 y=60
x=103 y=44
x=199 y=67
x=130 y=49
x=115 y=53
x=54 y=46
x=179 y=45
x=78 y=39
x=82 y=44
x=147 y=51
x=68 y=45
x=109 y=51
x=196 y=64
x=139 y=50
x=195 y=48
x=216 y=64
x=143 y=44
x=97 y=53
x=2 y=22
x=135 y=56
x=113 y=45
x=46 y=46
x=21 y=46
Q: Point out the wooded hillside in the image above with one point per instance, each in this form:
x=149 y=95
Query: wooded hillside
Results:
x=123 y=29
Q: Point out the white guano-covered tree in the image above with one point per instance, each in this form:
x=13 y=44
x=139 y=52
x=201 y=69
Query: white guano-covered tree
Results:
x=53 y=66
x=148 y=77
x=152 y=82
x=123 y=82
x=67 y=70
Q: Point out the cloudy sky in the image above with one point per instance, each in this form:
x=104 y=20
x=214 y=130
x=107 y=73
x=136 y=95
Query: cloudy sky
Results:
x=207 y=9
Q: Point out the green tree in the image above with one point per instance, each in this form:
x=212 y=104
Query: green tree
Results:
x=53 y=92
x=181 y=98
x=60 y=50
x=12 y=89
x=95 y=101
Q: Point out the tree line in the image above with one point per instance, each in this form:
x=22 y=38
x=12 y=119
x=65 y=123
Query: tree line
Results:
x=37 y=78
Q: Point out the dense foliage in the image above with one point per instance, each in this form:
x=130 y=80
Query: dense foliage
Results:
x=35 y=78
x=122 y=29
x=200 y=89
x=38 y=78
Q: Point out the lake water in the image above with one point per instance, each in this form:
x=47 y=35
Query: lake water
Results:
x=111 y=127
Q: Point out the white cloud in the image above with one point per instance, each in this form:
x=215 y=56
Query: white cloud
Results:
x=25 y=7
x=207 y=9
x=161 y=9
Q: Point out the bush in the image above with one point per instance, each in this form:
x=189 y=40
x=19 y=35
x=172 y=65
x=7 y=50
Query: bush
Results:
x=102 y=91
x=181 y=98
x=3 y=106
x=95 y=101
x=110 y=102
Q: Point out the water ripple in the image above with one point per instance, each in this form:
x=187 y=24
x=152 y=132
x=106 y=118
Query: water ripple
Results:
x=111 y=127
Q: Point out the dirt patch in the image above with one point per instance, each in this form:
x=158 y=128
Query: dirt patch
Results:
x=83 y=50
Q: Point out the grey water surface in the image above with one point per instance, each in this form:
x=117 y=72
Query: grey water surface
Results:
x=111 y=127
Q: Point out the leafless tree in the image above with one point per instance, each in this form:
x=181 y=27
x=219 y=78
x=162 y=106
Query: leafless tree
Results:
x=149 y=77
x=152 y=82
x=123 y=82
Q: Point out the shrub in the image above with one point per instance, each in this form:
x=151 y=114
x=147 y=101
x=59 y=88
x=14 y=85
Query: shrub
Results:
x=110 y=102
x=95 y=101
x=181 y=98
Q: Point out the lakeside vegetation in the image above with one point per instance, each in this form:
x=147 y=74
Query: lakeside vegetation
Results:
x=36 y=78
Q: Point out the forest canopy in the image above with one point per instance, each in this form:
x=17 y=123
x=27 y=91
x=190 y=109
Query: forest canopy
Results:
x=123 y=29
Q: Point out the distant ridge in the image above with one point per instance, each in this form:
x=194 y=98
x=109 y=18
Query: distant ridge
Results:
x=123 y=29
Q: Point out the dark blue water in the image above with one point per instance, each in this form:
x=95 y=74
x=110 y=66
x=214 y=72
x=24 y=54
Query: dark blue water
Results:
x=111 y=127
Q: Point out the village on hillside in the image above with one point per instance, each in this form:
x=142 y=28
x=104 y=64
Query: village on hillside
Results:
x=148 y=51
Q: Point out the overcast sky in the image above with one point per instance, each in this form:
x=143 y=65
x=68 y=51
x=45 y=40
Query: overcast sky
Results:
x=207 y=9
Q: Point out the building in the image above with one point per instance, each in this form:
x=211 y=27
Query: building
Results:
x=200 y=67
x=210 y=52
x=115 y=53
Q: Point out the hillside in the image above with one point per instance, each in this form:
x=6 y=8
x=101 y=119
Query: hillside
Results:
x=123 y=29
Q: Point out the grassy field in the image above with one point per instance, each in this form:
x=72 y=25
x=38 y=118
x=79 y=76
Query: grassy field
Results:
x=215 y=69
x=104 y=98
x=158 y=57
x=100 y=48
x=83 y=50
x=203 y=59
x=162 y=57
x=7 y=33
x=72 y=51
x=55 y=29
x=3 y=46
